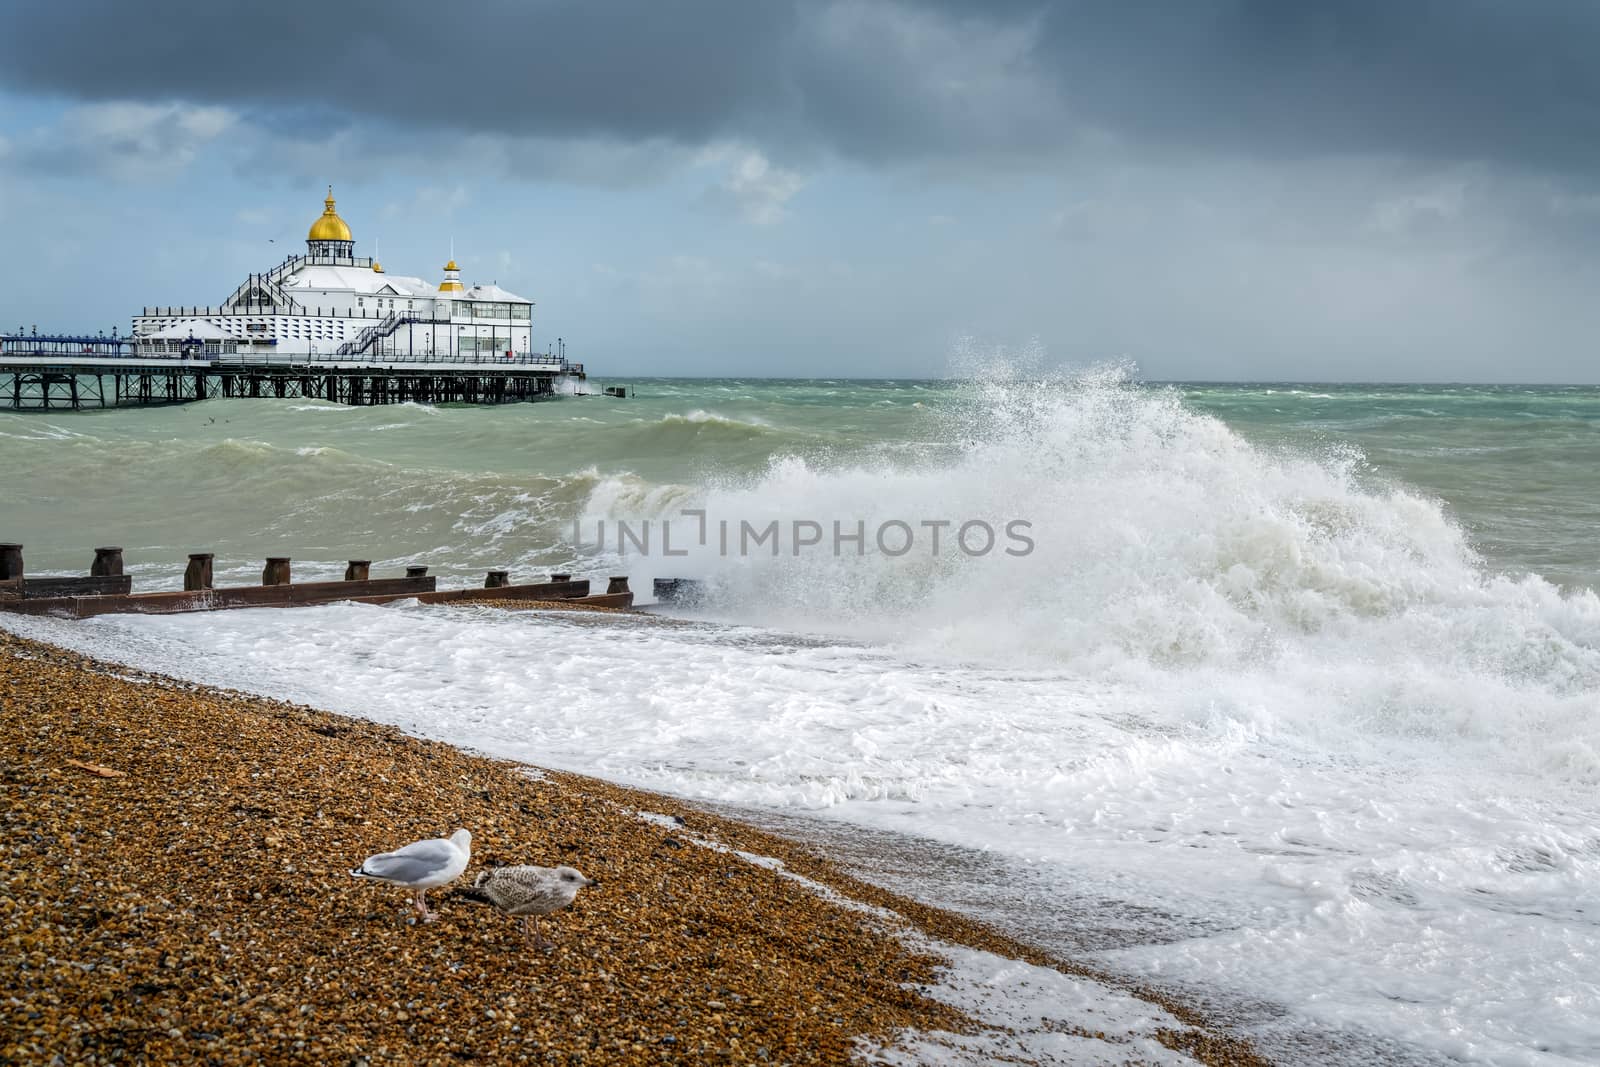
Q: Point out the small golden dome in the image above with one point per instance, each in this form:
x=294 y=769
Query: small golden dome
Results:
x=451 y=283
x=377 y=268
x=329 y=227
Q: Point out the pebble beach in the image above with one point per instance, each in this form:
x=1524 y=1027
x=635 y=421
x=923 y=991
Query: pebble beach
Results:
x=176 y=890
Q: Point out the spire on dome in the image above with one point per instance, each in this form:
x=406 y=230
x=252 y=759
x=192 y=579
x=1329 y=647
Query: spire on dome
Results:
x=452 y=274
x=329 y=236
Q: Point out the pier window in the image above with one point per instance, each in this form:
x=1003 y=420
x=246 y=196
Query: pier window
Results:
x=522 y=312
x=484 y=343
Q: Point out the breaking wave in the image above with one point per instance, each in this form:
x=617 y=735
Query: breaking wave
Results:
x=1169 y=554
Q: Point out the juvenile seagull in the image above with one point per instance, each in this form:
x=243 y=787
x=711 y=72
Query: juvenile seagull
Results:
x=421 y=865
x=528 y=892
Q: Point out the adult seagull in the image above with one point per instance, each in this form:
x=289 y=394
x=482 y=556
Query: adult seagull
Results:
x=421 y=865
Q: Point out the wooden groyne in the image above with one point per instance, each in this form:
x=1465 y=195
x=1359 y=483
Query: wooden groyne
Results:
x=106 y=590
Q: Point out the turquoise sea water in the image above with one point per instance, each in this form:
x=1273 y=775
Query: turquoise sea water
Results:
x=1517 y=466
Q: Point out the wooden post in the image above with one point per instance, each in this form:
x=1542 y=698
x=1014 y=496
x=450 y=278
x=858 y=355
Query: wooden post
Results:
x=198 y=576
x=416 y=572
x=561 y=577
x=10 y=561
x=359 y=570
x=619 y=584
x=686 y=592
x=276 y=572
x=107 y=563
x=497 y=579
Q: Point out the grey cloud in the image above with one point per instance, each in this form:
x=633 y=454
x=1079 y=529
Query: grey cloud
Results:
x=1452 y=80
x=1513 y=85
x=121 y=139
x=552 y=69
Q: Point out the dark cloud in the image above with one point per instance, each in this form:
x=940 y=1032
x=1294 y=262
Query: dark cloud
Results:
x=1510 y=84
x=1453 y=80
x=552 y=69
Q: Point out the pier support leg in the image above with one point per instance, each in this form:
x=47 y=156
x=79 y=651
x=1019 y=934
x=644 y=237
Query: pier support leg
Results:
x=358 y=570
x=497 y=580
x=619 y=584
x=416 y=572
x=276 y=572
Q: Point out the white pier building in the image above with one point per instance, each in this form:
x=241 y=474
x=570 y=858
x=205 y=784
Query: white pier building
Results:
x=330 y=304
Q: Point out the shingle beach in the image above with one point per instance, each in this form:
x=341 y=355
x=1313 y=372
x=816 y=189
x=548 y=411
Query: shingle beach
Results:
x=174 y=888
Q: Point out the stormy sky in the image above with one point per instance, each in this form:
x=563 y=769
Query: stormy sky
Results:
x=1255 y=189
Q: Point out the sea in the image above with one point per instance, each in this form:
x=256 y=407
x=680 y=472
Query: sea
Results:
x=1282 y=697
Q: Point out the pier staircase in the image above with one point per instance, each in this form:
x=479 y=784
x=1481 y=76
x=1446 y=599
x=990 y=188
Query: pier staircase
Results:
x=384 y=327
x=267 y=285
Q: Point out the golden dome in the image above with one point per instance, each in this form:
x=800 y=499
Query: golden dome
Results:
x=377 y=268
x=330 y=227
x=451 y=265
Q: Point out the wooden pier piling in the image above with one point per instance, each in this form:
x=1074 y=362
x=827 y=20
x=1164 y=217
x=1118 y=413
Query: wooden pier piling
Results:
x=198 y=574
x=276 y=572
x=49 y=373
x=561 y=577
x=358 y=570
x=497 y=579
x=416 y=571
x=107 y=563
x=619 y=584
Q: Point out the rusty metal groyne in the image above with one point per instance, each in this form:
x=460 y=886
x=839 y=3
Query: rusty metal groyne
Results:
x=107 y=590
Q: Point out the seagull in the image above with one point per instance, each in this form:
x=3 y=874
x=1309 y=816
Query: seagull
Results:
x=421 y=865
x=528 y=892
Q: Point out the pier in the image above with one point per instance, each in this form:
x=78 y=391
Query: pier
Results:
x=73 y=373
x=106 y=590
x=325 y=324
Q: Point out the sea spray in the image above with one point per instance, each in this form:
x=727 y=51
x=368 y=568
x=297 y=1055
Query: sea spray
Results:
x=1166 y=550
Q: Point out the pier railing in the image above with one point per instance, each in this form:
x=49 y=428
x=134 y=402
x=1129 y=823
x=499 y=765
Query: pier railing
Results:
x=298 y=311
x=477 y=359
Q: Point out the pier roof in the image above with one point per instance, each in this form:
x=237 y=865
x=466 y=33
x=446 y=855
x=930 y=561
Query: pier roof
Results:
x=368 y=282
x=494 y=292
x=357 y=280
